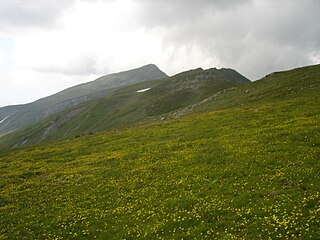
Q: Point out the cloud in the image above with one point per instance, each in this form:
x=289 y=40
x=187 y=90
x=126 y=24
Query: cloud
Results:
x=30 y=13
x=21 y=15
x=1 y=56
x=254 y=37
x=97 y=37
x=167 y=13
x=56 y=41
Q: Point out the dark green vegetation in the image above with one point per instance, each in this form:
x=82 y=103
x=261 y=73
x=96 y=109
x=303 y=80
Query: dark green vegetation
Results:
x=244 y=164
x=127 y=106
x=20 y=116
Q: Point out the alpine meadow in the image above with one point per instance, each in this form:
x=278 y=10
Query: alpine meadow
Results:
x=204 y=154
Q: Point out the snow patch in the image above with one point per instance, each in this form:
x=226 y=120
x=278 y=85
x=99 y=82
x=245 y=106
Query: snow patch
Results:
x=4 y=119
x=143 y=90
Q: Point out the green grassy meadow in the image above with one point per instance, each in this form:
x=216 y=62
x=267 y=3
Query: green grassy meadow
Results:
x=243 y=166
x=125 y=107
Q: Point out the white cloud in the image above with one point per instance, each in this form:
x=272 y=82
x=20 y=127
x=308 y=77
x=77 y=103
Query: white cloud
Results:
x=26 y=85
x=95 y=39
x=61 y=43
x=1 y=56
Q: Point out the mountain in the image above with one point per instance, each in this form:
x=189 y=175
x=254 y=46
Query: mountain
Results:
x=142 y=102
x=300 y=86
x=16 y=117
x=242 y=164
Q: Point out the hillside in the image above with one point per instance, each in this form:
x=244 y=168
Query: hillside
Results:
x=243 y=164
x=146 y=101
x=17 y=117
x=297 y=85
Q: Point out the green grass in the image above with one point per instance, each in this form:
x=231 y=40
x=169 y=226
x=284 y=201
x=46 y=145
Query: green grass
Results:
x=246 y=169
x=301 y=84
x=126 y=107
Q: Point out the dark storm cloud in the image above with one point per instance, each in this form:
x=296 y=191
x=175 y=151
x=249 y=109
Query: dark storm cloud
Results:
x=255 y=37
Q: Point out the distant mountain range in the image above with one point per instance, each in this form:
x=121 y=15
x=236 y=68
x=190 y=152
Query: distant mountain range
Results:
x=17 y=117
x=112 y=102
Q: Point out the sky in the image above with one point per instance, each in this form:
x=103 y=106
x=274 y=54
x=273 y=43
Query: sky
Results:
x=47 y=46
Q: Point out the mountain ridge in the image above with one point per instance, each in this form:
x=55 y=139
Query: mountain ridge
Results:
x=128 y=105
x=19 y=116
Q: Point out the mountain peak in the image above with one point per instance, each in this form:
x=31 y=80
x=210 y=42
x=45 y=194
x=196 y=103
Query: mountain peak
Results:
x=150 y=65
x=104 y=86
x=150 y=68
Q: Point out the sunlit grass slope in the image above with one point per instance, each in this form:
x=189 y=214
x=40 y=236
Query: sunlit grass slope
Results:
x=248 y=171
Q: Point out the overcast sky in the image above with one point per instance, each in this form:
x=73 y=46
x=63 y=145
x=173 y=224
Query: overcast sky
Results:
x=46 y=46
